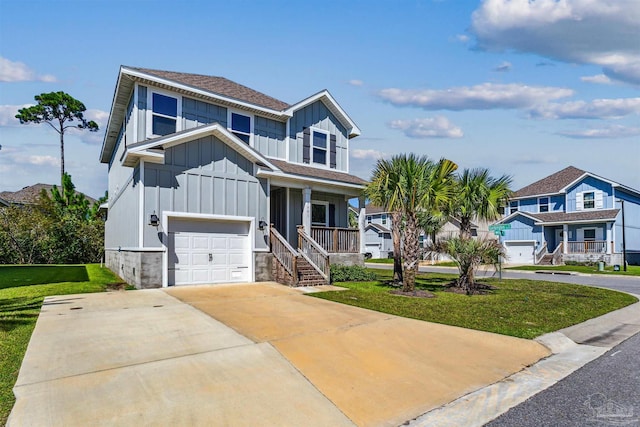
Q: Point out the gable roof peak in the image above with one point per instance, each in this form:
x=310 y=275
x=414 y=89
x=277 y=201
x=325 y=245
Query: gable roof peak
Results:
x=551 y=184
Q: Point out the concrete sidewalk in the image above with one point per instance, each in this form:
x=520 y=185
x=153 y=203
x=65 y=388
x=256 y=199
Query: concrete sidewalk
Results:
x=272 y=357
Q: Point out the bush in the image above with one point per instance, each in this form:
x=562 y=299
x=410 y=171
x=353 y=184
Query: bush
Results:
x=351 y=273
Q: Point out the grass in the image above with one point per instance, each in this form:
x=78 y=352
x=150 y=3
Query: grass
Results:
x=390 y=261
x=632 y=270
x=20 y=305
x=520 y=308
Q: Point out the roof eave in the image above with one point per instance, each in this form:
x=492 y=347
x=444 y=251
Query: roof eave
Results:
x=333 y=106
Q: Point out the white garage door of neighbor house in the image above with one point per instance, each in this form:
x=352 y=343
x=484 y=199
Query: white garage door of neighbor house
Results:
x=519 y=252
x=374 y=249
x=202 y=251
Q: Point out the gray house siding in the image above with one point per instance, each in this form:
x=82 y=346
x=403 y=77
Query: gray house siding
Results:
x=121 y=228
x=197 y=113
x=318 y=116
x=295 y=215
x=142 y=114
x=204 y=176
x=269 y=137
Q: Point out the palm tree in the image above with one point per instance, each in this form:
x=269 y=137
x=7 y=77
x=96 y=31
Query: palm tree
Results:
x=469 y=254
x=383 y=191
x=424 y=186
x=479 y=196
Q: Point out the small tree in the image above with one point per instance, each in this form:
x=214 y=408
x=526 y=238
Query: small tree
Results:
x=469 y=254
x=58 y=110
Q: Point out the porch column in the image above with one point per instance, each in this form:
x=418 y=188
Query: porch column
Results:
x=609 y=237
x=306 y=210
x=565 y=238
x=361 y=222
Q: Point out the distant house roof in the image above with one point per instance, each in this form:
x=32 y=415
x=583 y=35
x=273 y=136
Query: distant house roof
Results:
x=219 y=85
x=29 y=195
x=308 y=171
x=552 y=184
x=378 y=227
x=373 y=209
x=607 y=214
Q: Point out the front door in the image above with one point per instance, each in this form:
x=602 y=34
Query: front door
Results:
x=559 y=237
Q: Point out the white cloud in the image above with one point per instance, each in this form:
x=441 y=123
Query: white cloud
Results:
x=504 y=67
x=18 y=157
x=596 y=109
x=598 y=79
x=355 y=82
x=432 y=127
x=480 y=97
x=600 y=32
x=358 y=153
x=13 y=71
x=8 y=114
x=615 y=131
x=462 y=38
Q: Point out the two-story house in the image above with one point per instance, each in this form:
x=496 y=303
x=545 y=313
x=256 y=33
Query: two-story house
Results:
x=572 y=215
x=379 y=243
x=201 y=167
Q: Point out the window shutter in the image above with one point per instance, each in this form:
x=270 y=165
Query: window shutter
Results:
x=332 y=215
x=579 y=202
x=332 y=152
x=306 y=145
x=599 y=200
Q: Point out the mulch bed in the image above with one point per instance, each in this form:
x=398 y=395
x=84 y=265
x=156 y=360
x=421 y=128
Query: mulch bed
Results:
x=479 y=289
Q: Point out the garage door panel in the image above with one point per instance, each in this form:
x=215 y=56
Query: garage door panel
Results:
x=208 y=251
x=519 y=252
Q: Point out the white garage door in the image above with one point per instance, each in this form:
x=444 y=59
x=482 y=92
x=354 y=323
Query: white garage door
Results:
x=208 y=252
x=374 y=249
x=519 y=252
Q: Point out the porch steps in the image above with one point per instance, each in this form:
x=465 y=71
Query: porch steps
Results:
x=547 y=259
x=307 y=275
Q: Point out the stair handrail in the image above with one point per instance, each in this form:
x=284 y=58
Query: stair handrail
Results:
x=541 y=253
x=283 y=252
x=557 y=254
x=315 y=255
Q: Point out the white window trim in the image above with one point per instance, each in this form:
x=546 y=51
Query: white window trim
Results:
x=326 y=210
x=548 y=204
x=517 y=202
x=251 y=123
x=149 y=124
x=595 y=233
x=327 y=162
x=583 y=200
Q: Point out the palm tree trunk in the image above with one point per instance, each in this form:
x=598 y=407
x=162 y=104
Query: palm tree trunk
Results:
x=410 y=253
x=397 y=257
x=465 y=227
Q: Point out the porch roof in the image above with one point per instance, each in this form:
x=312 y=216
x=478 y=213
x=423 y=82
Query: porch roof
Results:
x=378 y=227
x=311 y=172
x=562 y=217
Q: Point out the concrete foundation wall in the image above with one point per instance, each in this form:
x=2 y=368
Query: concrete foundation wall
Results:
x=142 y=269
x=607 y=259
x=263 y=266
x=347 y=259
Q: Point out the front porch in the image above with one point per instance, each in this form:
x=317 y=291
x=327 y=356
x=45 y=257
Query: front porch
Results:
x=592 y=242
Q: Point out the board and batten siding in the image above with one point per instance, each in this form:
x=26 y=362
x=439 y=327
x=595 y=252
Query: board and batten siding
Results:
x=318 y=116
x=203 y=176
x=121 y=227
x=269 y=137
x=590 y=184
x=198 y=113
x=522 y=228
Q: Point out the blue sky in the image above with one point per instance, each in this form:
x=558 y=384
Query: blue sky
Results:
x=524 y=88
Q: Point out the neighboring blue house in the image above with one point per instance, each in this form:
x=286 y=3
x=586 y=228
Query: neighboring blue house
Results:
x=572 y=215
x=212 y=182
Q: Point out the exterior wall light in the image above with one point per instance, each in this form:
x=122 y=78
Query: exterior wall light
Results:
x=153 y=220
x=262 y=224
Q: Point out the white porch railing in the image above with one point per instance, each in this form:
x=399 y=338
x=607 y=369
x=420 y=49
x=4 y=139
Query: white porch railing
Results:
x=541 y=253
x=556 y=259
x=336 y=239
x=313 y=253
x=587 y=247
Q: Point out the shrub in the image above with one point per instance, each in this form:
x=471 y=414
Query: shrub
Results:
x=351 y=273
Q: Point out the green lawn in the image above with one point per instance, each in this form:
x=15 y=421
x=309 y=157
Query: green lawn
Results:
x=390 y=261
x=20 y=305
x=520 y=308
x=632 y=270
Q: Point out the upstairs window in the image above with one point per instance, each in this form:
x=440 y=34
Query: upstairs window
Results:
x=384 y=219
x=369 y=219
x=164 y=112
x=320 y=142
x=588 y=200
x=240 y=125
x=513 y=207
x=543 y=204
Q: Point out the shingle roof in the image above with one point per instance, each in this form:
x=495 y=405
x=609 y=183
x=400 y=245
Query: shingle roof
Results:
x=317 y=172
x=606 y=214
x=379 y=227
x=220 y=86
x=31 y=193
x=551 y=184
x=372 y=209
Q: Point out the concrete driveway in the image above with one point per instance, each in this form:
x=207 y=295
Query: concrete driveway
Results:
x=255 y=354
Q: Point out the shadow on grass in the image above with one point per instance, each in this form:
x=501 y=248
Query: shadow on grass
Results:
x=18 y=311
x=12 y=276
